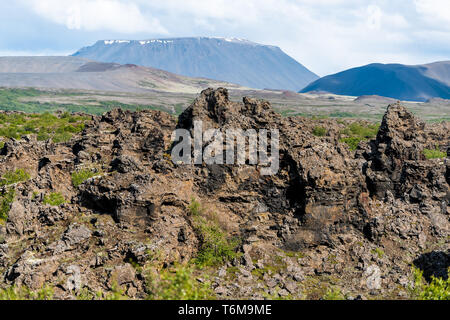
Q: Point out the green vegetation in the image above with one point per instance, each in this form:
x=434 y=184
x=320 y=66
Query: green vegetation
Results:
x=287 y=112
x=437 y=289
x=293 y=254
x=276 y=296
x=80 y=176
x=189 y=280
x=343 y=114
x=352 y=142
x=321 y=287
x=16 y=100
x=116 y=293
x=357 y=132
x=434 y=153
x=379 y=252
x=333 y=294
x=12 y=177
x=216 y=248
x=45 y=126
x=54 y=199
x=179 y=283
x=179 y=108
x=6 y=199
x=24 y=293
x=276 y=266
x=85 y=294
x=7 y=196
x=319 y=131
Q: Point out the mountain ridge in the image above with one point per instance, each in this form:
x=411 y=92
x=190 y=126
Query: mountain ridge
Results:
x=233 y=60
x=62 y=72
x=398 y=81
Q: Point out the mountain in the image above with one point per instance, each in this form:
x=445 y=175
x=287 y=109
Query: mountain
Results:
x=232 y=60
x=404 y=82
x=81 y=73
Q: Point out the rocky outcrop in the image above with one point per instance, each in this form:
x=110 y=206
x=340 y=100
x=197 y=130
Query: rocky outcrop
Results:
x=363 y=218
x=397 y=163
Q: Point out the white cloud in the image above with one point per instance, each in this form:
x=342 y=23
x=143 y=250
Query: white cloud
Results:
x=434 y=12
x=24 y=53
x=374 y=17
x=92 y=15
x=326 y=36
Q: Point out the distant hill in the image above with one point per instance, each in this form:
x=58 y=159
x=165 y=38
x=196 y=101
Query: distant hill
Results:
x=232 y=60
x=81 y=73
x=375 y=99
x=403 y=82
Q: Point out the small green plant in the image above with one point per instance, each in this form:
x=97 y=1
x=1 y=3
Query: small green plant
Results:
x=116 y=293
x=24 y=293
x=357 y=132
x=135 y=265
x=293 y=254
x=379 y=252
x=437 y=289
x=333 y=294
x=195 y=208
x=62 y=137
x=12 y=177
x=179 y=283
x=215 y=248
x=434 y=153
x=319 y=131
x=6 y=199
x=80 y=176
x=54 y=199
x=34 y=195
x=276 y=296
x=352 y=142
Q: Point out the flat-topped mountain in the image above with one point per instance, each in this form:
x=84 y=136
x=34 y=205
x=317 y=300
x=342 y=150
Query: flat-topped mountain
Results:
x=413 y=83
x=233 y=60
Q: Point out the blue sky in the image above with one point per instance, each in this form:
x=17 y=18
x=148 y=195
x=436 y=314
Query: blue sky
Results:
x=326 y=36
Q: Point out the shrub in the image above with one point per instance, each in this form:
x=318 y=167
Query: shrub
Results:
x=12 y=177
x=179 y=283
x=215 y=248
x=434 y=154
x=116 y=293
x=357 y=132
x=24 y=293
x=6 y=199
x=54 y=199
x=80 y=176
x=333 y=294
x=362 y=130
x=379 y=252
x=437 y=289
x=62 y=137
x=352 y=142
x=45 y=125
x=319 y=131
x=43 y=136
x=195 y=208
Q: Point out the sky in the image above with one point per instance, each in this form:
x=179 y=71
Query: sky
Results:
x=327 y=36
